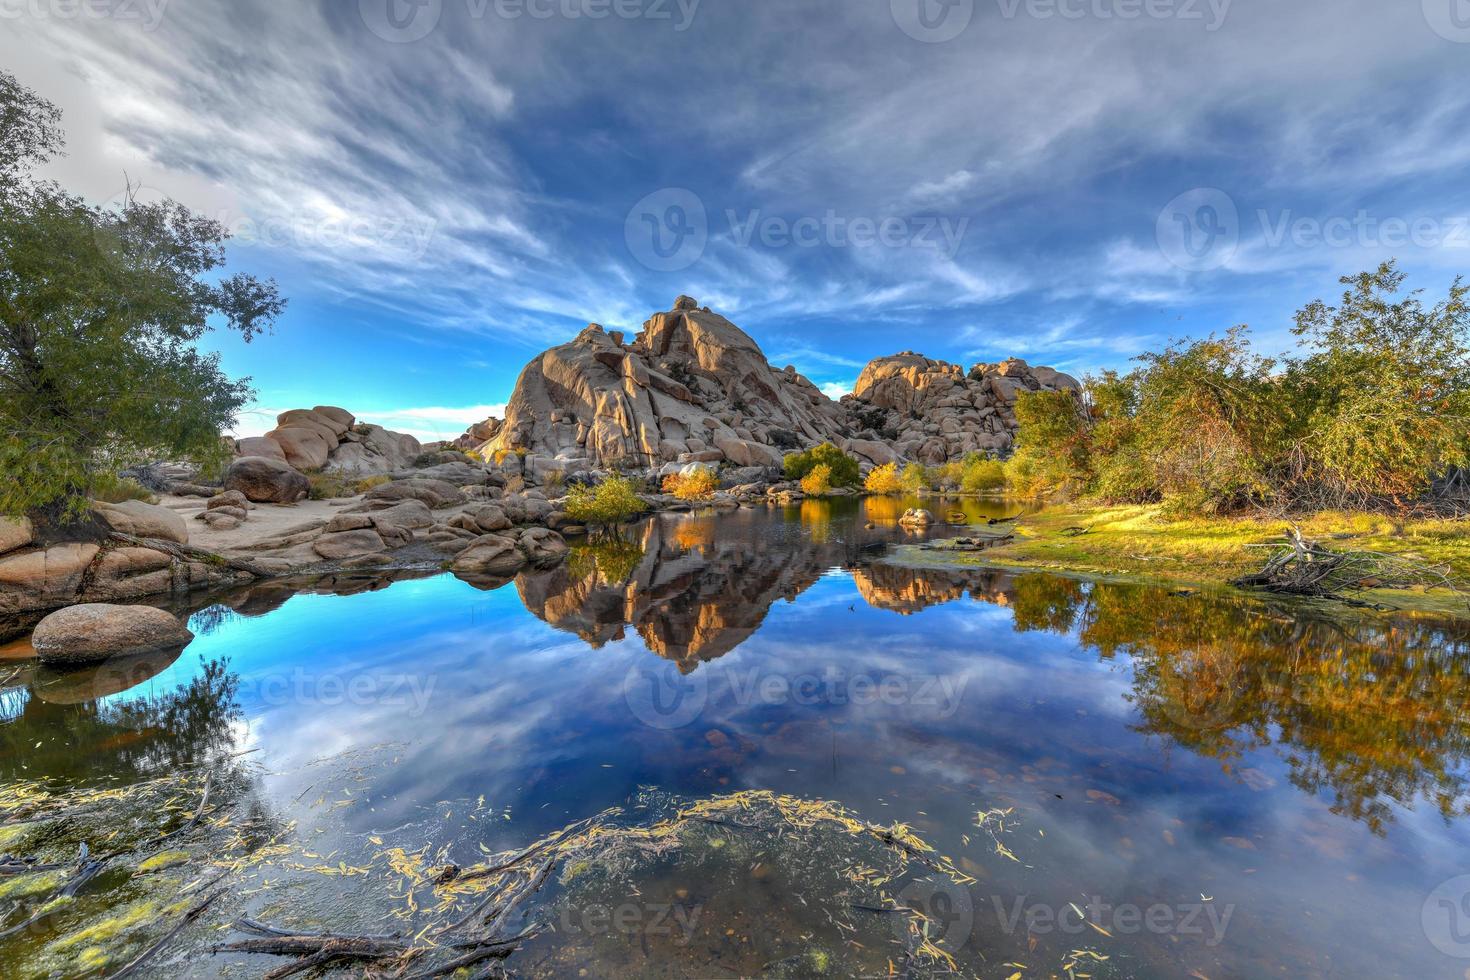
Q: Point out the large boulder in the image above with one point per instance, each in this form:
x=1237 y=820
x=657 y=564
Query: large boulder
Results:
x=305 y=447
x=371 y=450
x=492 y=553
x=15 y=532
x=460 y=474
x=408 y=514
x=341 y=545
x=41 y=578
x=524 y=508
x=266 y=481
x=435 y=494
x=93 y=632
x=482 y=519
x=260 y=446
x=143 y=520
x=542 y=546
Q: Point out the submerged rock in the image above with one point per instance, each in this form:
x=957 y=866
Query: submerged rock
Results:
x=916 y=517
x=93 y=632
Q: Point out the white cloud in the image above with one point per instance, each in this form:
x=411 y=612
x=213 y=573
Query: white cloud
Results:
x=836 y=389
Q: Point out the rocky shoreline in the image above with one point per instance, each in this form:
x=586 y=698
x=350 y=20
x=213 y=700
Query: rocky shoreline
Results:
x=324 y=492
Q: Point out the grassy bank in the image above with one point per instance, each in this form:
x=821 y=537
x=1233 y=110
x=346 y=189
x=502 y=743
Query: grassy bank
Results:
x=1140 y=542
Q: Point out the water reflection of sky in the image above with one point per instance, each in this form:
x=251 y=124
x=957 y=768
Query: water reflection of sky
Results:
x=455 y=693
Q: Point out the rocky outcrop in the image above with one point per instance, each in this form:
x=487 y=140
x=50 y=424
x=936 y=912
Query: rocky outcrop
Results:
x=691 y=387
x=93 y=632
x=331 y=440
x=933 y=411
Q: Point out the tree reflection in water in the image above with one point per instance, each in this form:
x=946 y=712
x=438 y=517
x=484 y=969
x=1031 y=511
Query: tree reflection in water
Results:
x=1370 y=709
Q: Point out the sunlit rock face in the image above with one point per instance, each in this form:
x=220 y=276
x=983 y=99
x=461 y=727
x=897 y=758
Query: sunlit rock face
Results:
x=691 y=387
x=933 y=411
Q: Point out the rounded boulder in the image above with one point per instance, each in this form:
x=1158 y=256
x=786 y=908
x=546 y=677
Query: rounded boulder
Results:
x=266 y=481
x=93 y=632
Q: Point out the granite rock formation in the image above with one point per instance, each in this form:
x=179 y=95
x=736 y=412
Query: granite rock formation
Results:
x=932 y=411
x=693 y=388
x=690 y=388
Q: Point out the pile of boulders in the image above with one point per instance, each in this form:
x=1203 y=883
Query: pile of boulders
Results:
x=933 y=411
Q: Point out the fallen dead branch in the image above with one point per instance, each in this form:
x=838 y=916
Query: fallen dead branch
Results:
x=1302 y=567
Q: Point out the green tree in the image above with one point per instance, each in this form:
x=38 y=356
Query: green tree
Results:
x=100 y=314
x=1208 y=423
x=1053 y=451
x=845 y=470
x=1383 y=394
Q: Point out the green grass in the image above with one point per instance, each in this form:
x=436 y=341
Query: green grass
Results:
x=1141 y=542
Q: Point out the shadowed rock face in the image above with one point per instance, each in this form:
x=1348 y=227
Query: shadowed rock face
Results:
x=692 y=387
x=933 y=411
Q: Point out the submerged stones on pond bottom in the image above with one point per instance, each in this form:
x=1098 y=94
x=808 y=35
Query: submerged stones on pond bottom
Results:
x=93 y=632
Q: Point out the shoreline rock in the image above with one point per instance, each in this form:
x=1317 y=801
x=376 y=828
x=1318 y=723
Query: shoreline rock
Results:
x=91 y=633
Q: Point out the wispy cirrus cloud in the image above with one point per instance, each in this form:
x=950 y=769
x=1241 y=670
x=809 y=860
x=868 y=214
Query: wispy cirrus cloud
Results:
x=477 y=184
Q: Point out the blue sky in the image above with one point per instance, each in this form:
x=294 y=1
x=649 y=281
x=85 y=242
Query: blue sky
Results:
x=445 y=187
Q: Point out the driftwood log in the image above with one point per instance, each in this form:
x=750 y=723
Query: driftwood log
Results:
x=1302 y=567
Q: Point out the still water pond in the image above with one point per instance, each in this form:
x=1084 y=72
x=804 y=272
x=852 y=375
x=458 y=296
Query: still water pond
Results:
x=1116 y=781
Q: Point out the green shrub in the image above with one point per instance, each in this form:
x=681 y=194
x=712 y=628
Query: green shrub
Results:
x=843 y=469
x=914 y=479
x=112 y=489
x=981 y=474
x=612 y=501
